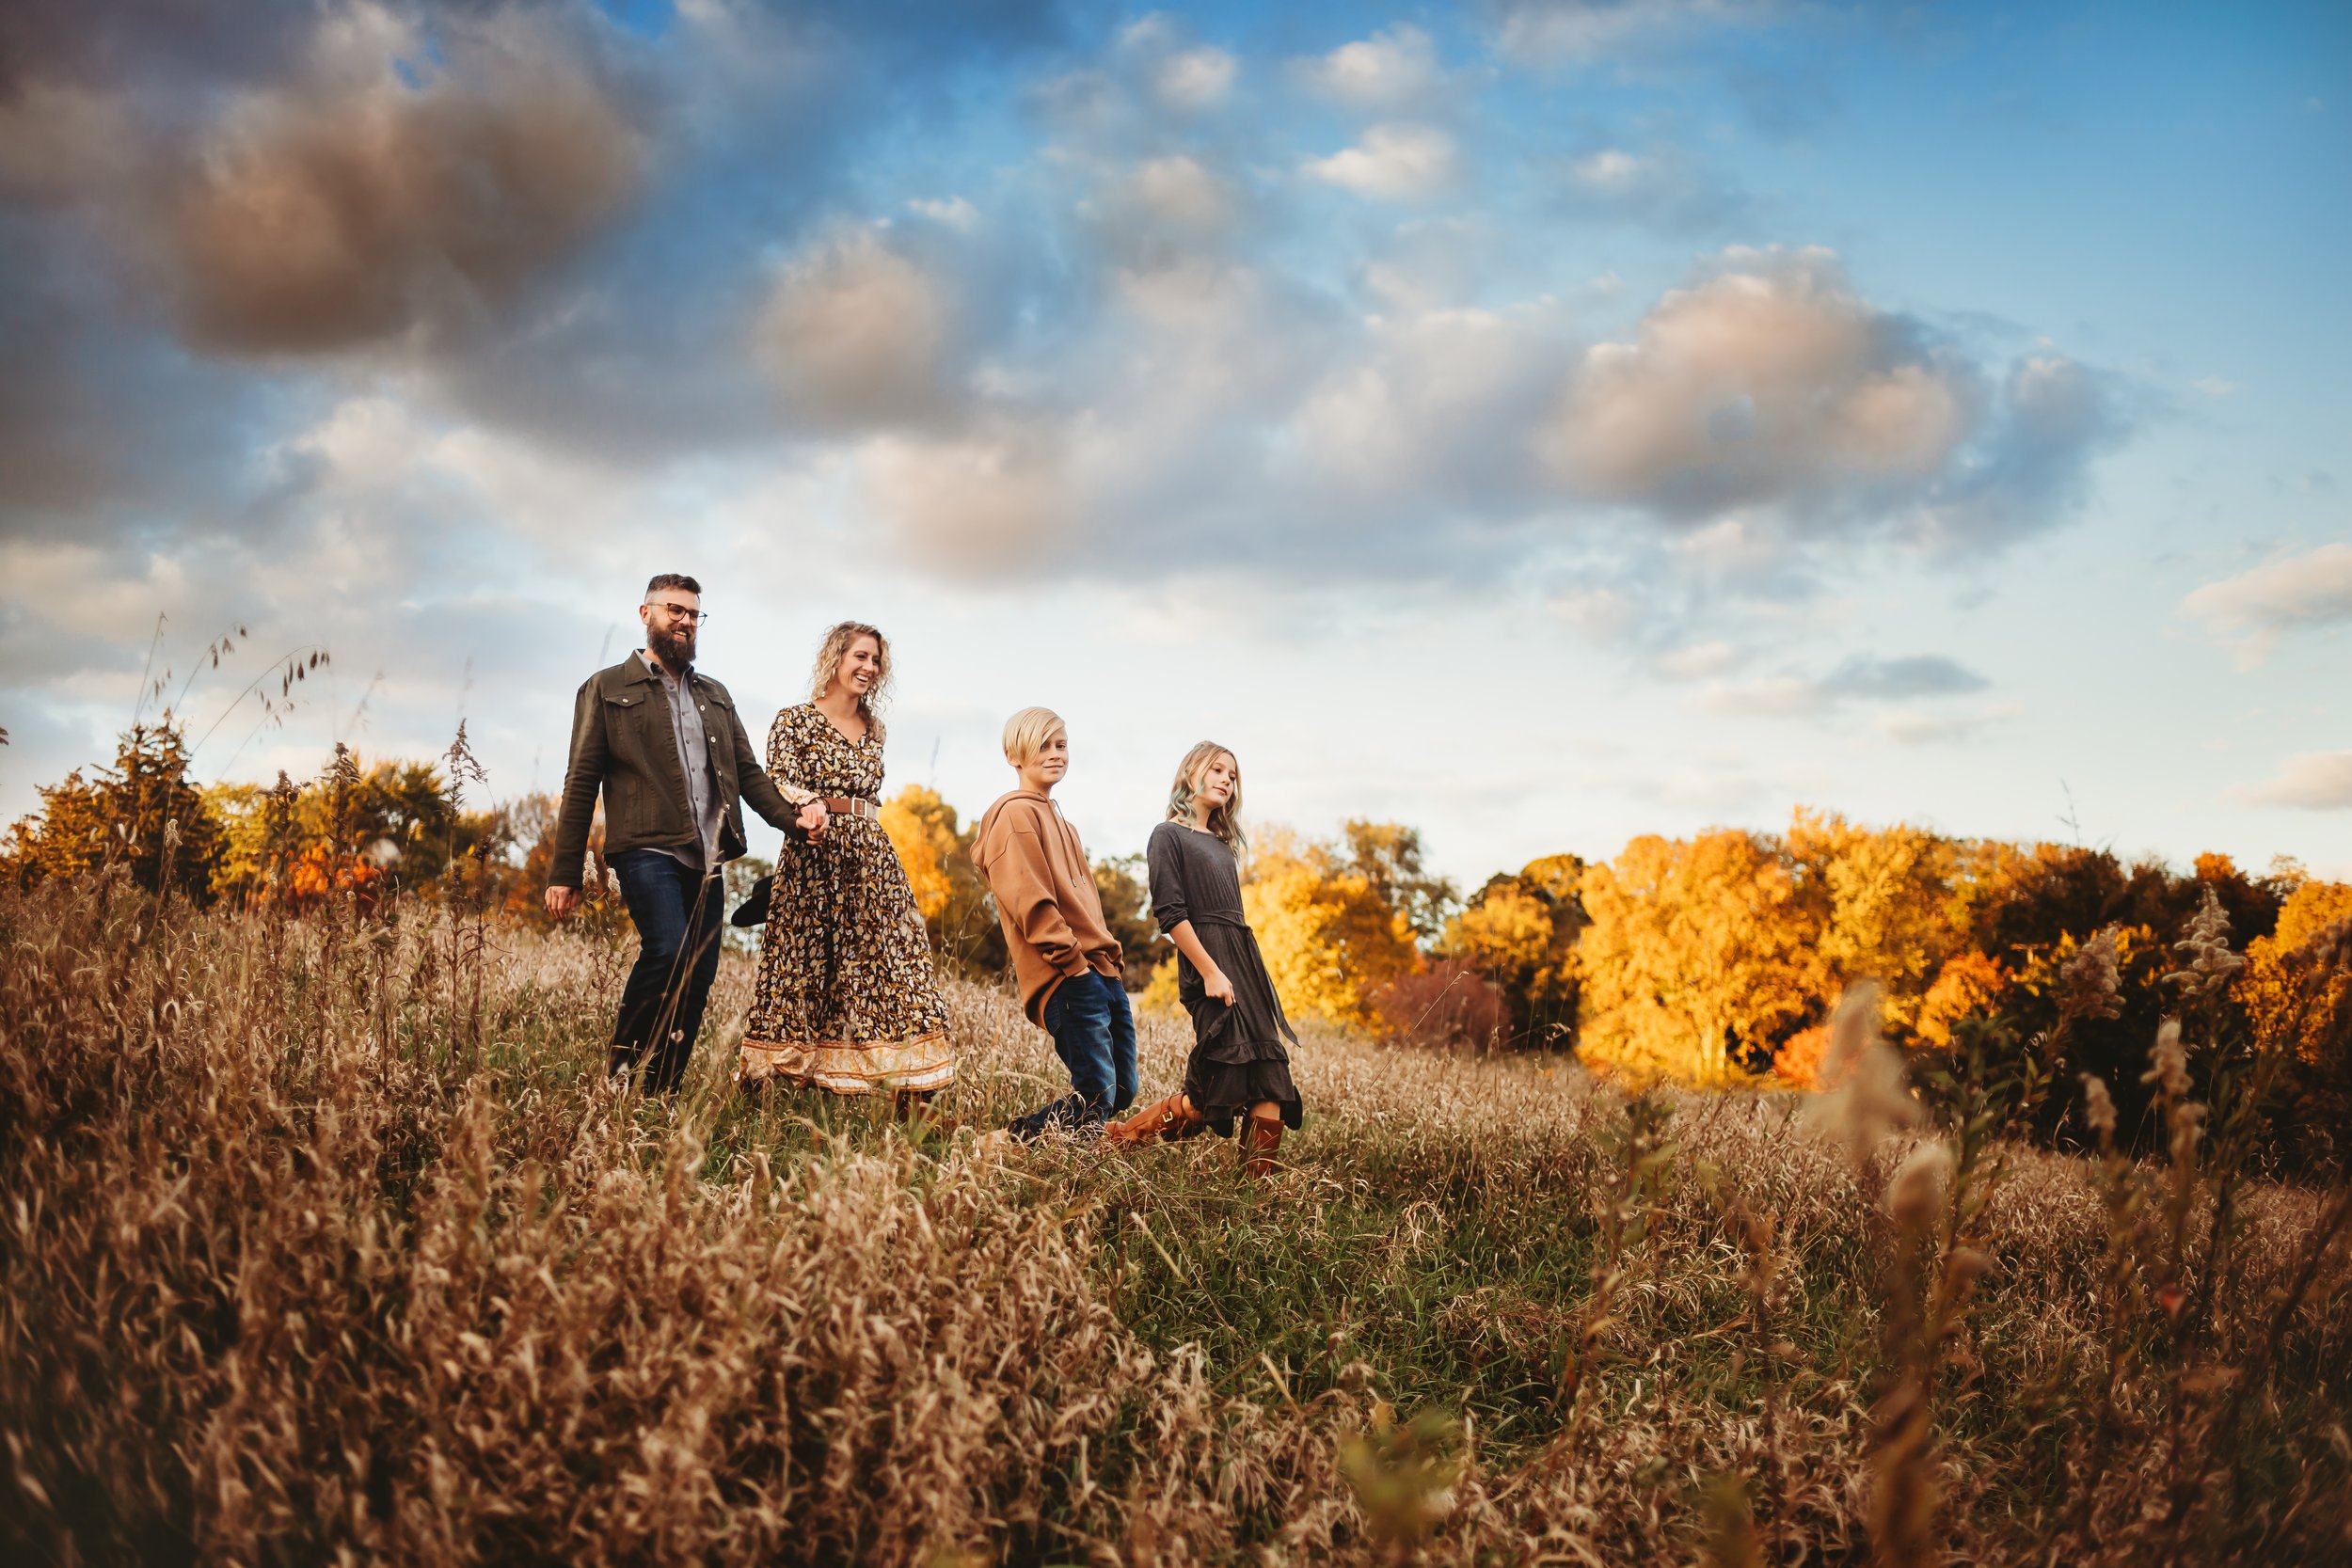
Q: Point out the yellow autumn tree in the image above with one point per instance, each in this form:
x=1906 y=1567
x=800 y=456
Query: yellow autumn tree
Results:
x=922 y=828
x=1327 y=935
x=1521 y=934
x=1883 y=900
x=1507 y=933
x=1696 y=950
x=2295 y=1000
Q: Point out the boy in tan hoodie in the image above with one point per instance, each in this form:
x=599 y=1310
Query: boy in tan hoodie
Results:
x=1064 y=958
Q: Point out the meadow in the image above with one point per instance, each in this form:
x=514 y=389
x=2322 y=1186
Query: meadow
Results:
x=325 y=1241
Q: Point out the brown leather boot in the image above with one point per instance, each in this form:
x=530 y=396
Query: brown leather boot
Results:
x=1154 y=1120
x=1266 y=1135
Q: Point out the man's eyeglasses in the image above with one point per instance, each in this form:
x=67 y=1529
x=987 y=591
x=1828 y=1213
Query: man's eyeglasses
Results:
x=679 y=612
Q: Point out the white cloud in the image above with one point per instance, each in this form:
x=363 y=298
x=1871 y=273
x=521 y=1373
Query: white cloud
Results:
x=2214 y=386
x=1660 y=186
x=1551 y=32
x=1438 y=398
x=1768 y=379
x=954 y=211
x=1196 y=79
x=1395 y=68
x=1765 y=697
x=984 y=502
x=1177 y=194
x=1612 y=171
x=2256 y=607
x=1394 y=162
x=1917 y=727
x=1722 y=788
x=1697 y=662
x=855 y=334
x=1605 y=614
x=2316 y=781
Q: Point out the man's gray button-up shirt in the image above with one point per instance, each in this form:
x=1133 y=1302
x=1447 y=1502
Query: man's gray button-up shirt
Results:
x=693 y=760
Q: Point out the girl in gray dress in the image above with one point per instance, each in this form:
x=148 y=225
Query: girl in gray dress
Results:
x=1240 y=1065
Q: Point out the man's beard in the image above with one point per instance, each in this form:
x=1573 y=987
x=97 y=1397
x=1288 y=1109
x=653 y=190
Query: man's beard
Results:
x=675 y=649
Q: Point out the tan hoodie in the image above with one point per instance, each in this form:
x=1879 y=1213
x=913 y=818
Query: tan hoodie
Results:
x=1045 y=898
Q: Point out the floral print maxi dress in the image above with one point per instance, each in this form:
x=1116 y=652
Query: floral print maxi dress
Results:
x=846 y=999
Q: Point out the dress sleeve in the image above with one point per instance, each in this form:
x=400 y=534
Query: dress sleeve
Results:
x=784 y=761
x=1165 y=859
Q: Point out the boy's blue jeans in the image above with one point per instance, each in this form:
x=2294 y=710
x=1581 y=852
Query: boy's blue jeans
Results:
x=1094 y=1035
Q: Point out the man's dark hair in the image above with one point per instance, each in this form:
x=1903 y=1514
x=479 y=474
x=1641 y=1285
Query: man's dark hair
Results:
x=673 y=579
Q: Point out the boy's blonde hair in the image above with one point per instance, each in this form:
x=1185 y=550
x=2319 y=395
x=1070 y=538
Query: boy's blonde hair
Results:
x=1026 y=733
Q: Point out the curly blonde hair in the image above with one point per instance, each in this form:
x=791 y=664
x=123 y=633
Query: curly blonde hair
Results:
x=1225 y=821
x=833 y=649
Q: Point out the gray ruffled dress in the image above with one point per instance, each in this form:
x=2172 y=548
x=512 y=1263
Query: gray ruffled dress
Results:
x=1239 y=1055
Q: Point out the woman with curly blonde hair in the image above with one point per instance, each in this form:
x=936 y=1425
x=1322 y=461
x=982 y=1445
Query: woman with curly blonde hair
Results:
x=846 y=999
x=1240 y=1064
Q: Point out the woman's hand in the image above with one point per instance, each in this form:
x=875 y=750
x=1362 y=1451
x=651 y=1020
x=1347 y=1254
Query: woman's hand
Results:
x=1218 y=986
x=812 y=819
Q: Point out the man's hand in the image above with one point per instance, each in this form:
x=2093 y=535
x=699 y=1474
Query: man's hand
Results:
x=812 y=819
x=561 y=901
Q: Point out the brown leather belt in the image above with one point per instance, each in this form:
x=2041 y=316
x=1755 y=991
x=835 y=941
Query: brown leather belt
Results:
x=845 y=805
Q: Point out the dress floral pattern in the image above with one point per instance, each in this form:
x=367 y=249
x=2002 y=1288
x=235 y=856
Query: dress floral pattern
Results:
x=846 y=999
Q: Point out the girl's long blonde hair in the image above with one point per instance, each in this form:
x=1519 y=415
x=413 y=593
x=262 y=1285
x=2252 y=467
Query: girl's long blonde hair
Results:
x=1225 y=821
x=836 y=648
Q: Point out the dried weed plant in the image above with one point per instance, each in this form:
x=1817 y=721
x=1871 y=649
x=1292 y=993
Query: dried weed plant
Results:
x=325 y=1240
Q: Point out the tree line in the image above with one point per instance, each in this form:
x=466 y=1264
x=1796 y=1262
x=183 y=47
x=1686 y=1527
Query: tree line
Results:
x=1711 y=960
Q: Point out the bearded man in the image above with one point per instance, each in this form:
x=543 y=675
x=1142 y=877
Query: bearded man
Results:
x=661 y=741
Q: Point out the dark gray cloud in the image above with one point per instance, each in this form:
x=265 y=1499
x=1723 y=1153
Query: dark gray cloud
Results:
x=1893 y=679
x=108 y=428
x=113 y=39
x=1863 y=678
x=333 y=217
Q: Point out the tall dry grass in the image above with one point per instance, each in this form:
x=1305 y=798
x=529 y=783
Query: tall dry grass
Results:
x=325 y=1242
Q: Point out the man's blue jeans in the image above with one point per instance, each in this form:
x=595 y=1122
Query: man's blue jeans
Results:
x=676 y=912
x=1094 y=1035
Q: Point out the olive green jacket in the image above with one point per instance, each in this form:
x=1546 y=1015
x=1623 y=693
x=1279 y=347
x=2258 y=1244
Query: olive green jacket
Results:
x=623 y=744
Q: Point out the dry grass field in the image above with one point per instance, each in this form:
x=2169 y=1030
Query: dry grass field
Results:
x=325 y=1243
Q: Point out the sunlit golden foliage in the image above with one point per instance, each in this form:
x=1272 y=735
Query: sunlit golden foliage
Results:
x=1509 y=932
x=922 y=828
x=1327 y=935
x=1968 y=984
x=1883 y=903
x=142 y=813
x=2299 y=999
x=1696 y=949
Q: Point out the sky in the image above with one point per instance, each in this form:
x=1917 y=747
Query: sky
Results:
x=1539 y=421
